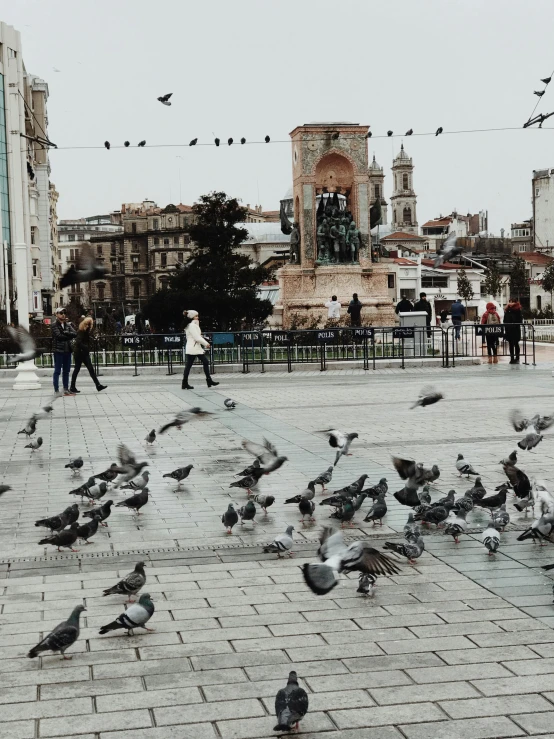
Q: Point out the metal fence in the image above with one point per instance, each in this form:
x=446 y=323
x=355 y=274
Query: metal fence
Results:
x=470 y=340
x=255 y=350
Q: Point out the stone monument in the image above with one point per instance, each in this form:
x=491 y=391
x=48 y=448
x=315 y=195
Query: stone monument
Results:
x=330 y=235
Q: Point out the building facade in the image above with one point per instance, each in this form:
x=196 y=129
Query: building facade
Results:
x=403 y=199
x=377 y=189
x=543 y=209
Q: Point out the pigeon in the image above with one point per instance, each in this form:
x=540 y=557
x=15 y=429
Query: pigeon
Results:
x=409 y=132
x=217 y=141
x=540 y=530
x=409 y=526
x=324 y=478
x=30 y=427
x=34 y=445
x=375 y=491
x=281 y=544
x=366 y=583
x=249 y=482
x=65 y=538
x=128 y=465
x=267 y=139
x=427 y=396
x=546 y=80
x=369 y=134
x=432 y=475
x=142 y=143
x=389 y=133
x=524 y=503
x=336 y=557
x=108 y=475
x=291 y=703
x=306 y=494
x=139 y=483
x=193 y=142
x=447 y=501
x=438 y=131
x=464 y=504
x=434 y=515
x=350 y=491
x=101 y=513
x=87 y=530
x=448 y=250
x=91 y=490
x=250 y=469
x=493 y=501
x=180 y=474
x=463 y=467
x=57 y=523
x=184 y=417
x=229 y=404
x=62 y=637
x=408 y=496
x=306 y=508
x=424 y=495
x=491 y=539
x=535 y=425
x=335 y=135
x=477 y=492
x=266 y=455
x=456 y=526
x=500 y=518
x=539 y=93
x=75 y=465
x=135 y=617
x=86 y=269
x=107 y=145
x=377 y=511
x=415 y=475
x=264 y=501
x=345 y=512
x=27 y=346
x=247 y=513
x=130 y=584
x=510 y=460
x=164 y=99
x=340 y=441
x=150 y=437
x=135 y=502
x=126 y=144
x=519 y=481
x=412 y=549
x=243 y=140
x=83 y=489
x=230 y=518
x=543 y=498
x=230 y=141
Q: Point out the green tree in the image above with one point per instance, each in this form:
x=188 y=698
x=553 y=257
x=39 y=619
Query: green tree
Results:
x=548 y=281
x=518 y=278
x=218 y=282
x=465 y=291
x=492 y=283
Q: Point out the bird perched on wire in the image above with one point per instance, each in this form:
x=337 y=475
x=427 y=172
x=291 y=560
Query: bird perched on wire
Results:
x=128 y=465
x=75 y=465
x=229 y=141
x=282 y=544
x=448 y=250
x=65 y=538
x=30 y=427
x=34 y=445
x=229 y=404
x=180 y=474
x=184 y=417
x=266 y=455
x=267 y=139
x=150 y=437
x=389 y=133
x=464 y=467
x=135 y=617
x=141 y=143
x=62 y=637
x=336 y=557
x=230 y=518
x=107 y=145
x=248 y=483
x=101 y=513
x=409 y=132
x=130 y=584
x=85 y=269
x=438 y=131
x=59 y=522
x=428 y=396
x=535 y=425
x=339 y=441
x=243 y=140
x=193 y=142
x=324 y=478
x=539 y=93
x=291 y=704
x=264 y=501
x=126 y=144
x=135 y=502
x=217 y=141
x=164 y=99
x=26 y=344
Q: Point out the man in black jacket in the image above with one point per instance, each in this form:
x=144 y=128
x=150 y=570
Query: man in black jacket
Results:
x=404 y=306
x=62 y=335
x=424 y=306
x=355 y=310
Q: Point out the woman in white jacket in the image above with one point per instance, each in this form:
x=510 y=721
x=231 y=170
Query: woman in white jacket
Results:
x=196 y=344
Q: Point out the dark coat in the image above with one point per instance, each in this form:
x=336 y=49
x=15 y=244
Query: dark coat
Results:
x=83 y=340
x=62 y=336
x=423 y=305
x=355 y=309
x=513 y=318
x=404 y=306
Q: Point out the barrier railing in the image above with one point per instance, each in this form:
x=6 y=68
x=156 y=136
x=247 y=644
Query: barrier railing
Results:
x=475 y=340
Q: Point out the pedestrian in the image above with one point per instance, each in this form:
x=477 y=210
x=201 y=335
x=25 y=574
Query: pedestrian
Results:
x=118 y=327
x=63 y=334
x=196 y=344
x=491 y=318
x=443 y=318
x=404 y=306
x=458 y=315
x=82 y=354
x=424 y=306
x=513 y=318
x=355 y=311
x=333 y=308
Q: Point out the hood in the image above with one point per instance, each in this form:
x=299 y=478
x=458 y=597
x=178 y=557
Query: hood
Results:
x=491 y=307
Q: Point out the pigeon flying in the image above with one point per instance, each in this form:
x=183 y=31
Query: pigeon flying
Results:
x=428 y=396
x=164 y=99
x=26 y=343
x=340 y=441
x=448 y=250
x=86 y=269
x=266 y=455
x=184 y=417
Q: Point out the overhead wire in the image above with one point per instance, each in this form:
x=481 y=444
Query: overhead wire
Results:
x=541 y=96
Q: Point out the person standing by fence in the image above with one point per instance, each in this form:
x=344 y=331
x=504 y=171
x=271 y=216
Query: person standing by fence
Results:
x=333 y=309
x=63 y=334
x=491 y=318
x=513 y=318
x=196 y=344
x=82 y=355
x=355 y=310
x=458 y=312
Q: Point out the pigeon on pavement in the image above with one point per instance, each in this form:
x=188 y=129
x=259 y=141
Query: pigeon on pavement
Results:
x=366 y=583
x=456 y=526
x=414 y=473
x=282 y=544
x=375 y=491
x=184 y=417
x=26 y=343
x=101 y=513
x=128 y=465
x=477 y=492
x=130 y=584
x=108 y=475
x=180 y=474
x=339 y=441
x=291 y=705
x=433 y=515
x=535 y=425
x=87 y=530
x=264 y=501
x=30 y=426
x=230 y=518
x=135 y=617
x=83 y=489
x=150 y=437
x=135 y=502
x=62 y=637
x=464 y=504
x=500 y=518
x=412 y=549
x=463 y=467
x=266 y=455
x=324 y=478
x=424 y=495
x=491 y=539
x=139 y=483
x=540 y=530
x=428 y=396
x=65 y=538
x=250 y=469
x=493 y=501
x=34 y=445
x=447 y=501
x=247 y=513
x=57 y=523
x=511 y=459
x=249 y=482
x=306 y=508
x=307 y=494
x=75 y=465
x=86 y=268
x=377 y=511
x=229 y=404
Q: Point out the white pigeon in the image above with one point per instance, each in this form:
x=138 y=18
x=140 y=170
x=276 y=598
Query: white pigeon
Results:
x=282 y=544
x=339 y=441
x=491 y=539
x=229 y=403
x=543 y=498
x=26 y=343
x=464 y=467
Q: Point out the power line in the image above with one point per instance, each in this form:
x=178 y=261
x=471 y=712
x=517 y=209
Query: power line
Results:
x=541 y=96
x=31 y=112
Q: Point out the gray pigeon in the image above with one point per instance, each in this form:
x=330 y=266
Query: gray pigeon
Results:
x=26 y=344
x=340 y=441
x=375 y=491
x=424 y=495
x=456 y=526
x=62 y=637
x=83 y=489
x=87 y=530
x=75 y=465
x=250 y=469
x=306 y=508
x=491 y=539
x=449 y=249
x=65 y=538
x=135 y=617
x=184 y=417
x=412 y=549
x=247 y=513
x=34 y=445
x=464 y=504
x=139 y=484
x=267 y=455
x=96 y=492
x=433 y=515
x=101 y=513
x=130 y=584
x=511 y=459
x=500 y=518
x=324 y=478
x=428 y=396
x=180 y=474
x=250 y=482
x=135 y=502
x=57 y=523
x=229 y=404
x=282 y=544
x=230 y=518
x=86 y=269
x=128 y=468
x=108 y=475
x=366 y=583
x=307 y=494
x=291 y=705
x=377 y=511
x=540 y=530
x=264 y=501
x=150 y=437
x=30 y=427
x=477 y=492
x=463 y=467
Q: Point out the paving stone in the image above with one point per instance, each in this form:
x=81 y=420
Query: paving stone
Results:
x=424 y=693
x=95 y=723
x=459 y=672
x=536 y=723
x=198 y=731
x=495 y=706
x=249 y=728
x=383 y=715
x=477 y=728
x=219 y=711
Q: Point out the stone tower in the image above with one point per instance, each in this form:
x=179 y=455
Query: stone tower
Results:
x=377 y=188
x=403 y=199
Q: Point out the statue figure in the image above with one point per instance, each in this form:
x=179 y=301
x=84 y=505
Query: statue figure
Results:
x=353 y=241
x=335 y=241
x=286 y=226
x=295 y=243
x=323 y=241
x=342 y=240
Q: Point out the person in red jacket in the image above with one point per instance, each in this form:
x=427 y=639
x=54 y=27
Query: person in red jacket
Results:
x=491 y=318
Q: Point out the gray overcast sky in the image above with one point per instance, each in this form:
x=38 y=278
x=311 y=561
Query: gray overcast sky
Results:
x=256 y=67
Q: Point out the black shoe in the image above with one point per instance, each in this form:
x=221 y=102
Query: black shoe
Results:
x=74 y=390
x=101 y=387
x=211 y=383
x=186 y=386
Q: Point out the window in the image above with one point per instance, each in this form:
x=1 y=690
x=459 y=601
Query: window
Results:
x=99 y=250
x=522 y=247
x=156 y=241
x=176 y=240
x=122 y=249
x=186 y=239
x=81 y=237
x=100 y=287
x=134 y=246
x=112 y=250
x=390 y=279
x=166 y=242
x=114 y=267
x=405 y=182
x=163 y=259
x=71 y=237
x=133 y=227
x=163 y=284
x=433 y=281
x=407 y=216
x=35 y=269
x=377 y=191
x=180 y=257
x=33 y=234
x=155 y=224
x=135 y=264
x=539 y=302
x=136 y=289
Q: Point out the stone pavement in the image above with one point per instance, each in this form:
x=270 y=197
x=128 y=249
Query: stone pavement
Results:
x=460 y=645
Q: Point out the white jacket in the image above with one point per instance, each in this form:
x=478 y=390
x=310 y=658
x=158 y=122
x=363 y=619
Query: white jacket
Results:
x=333 y=308
x=195 y=341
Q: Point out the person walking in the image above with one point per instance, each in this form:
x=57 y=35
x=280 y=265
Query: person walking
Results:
x=63 y=334
x=513 y=318
x=424 y=306
x=458 y=311
x=491 y=318
x=404 y=306
x=196 y=344
x=82 y=354
x=355 y=311
x=333 y=308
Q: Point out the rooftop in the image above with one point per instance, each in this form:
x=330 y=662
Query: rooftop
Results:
x=535 y=257
x=446 y=221
x=401 y=236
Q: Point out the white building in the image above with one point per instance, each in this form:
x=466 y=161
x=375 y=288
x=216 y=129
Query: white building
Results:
x=543 y=208
x=403 y=198
x=435 y=231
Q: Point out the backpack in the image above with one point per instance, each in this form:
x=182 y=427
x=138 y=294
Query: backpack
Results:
x=492 y=318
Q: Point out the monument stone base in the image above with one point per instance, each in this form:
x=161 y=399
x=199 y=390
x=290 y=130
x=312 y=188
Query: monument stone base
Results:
x=303 y=292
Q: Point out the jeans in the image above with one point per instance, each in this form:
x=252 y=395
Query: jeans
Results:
x=190 y=361
x=62 y=362
x=457 y=322
x=83 y=357
x=492 y=344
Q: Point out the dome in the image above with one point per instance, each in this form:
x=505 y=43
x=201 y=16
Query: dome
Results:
x=288 y=194
x=374 y=166
x=402 y=156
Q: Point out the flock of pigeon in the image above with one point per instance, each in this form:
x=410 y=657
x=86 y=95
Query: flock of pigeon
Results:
x=335 y=555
